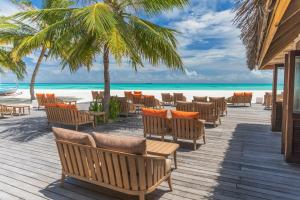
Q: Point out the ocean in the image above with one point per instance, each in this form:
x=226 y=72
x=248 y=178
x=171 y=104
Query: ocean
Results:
x=146 y=86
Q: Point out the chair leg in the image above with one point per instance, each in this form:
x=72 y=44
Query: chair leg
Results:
x=142 y=196
x=195 y=144
x=62 y=180
x=204 y=139
x=162 y=138
x=170 y=183
x=76 y=127
x=220 y=122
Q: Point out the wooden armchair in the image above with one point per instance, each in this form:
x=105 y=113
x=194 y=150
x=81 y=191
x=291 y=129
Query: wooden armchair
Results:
x=187 y=126
x=207 y=112
x=178 y=97
x=66 y=115
x=41 y=100
x=128 y=95
x=150 y=101
x=126 y=107
x=97 y=96
x=185 y=106
x=167 y=99
x=123 y=172
x=220 y=104
x=248 y=98
x=155 y=122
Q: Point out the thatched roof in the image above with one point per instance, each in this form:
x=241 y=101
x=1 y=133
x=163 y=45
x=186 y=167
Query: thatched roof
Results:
x=252 y=18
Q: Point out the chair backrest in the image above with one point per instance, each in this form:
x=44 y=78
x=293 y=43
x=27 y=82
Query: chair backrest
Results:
x=185 y=106
x=206 y=111
x=178 y=97
x=95 y=95
x=149 y=101
x=63 y=115
x=199 y=99
x=268 y=99
x=248 y=97
x=110 y=168
x=166 y=97
x=125 y=106
x=186 y=128
x=137 y=99
x=128 y=95
x=156 y=125
x=41 y=99
x=220 y=103
x=50 y=98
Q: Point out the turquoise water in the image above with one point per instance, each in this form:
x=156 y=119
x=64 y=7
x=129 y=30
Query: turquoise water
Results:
x=145 y=86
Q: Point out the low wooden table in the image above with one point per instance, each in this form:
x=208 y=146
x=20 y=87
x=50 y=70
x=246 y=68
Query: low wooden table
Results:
x=19 y=109
x=96 y=114
x=164 y=149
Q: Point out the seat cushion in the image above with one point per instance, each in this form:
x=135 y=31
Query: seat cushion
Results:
x=137 y=92
x=168 y=165
x=132 y=145
x=73 y=136
x=184 y=115
x=155 y=113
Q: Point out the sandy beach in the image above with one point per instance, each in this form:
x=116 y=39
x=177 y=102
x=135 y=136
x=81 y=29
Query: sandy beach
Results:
x=85 y=95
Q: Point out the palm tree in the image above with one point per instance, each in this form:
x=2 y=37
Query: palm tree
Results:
x=17 y=32
x=112 y=28
x=6 y=63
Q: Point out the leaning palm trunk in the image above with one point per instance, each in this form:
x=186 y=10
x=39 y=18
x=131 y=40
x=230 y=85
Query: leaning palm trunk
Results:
x=36 y=69
x=106 y=79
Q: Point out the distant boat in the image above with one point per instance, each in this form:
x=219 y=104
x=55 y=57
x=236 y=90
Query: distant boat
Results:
x=8 y=91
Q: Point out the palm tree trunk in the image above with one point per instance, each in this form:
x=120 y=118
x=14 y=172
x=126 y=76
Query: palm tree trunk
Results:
x=106 y=79
x=35 y=71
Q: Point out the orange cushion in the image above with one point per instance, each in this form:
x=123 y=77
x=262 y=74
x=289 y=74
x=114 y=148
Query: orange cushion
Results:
x=155 y=113
x=184 y=115
x=239 y=94
x=61 y=105
x=137 y=92
x=40 y=95
x=50 y=95
x=248 y=94
x=137 y=95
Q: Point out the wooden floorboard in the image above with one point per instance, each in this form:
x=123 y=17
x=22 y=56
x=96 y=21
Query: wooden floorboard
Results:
x=241 y=160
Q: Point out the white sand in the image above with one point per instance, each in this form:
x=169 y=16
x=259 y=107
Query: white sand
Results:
x=85 y=95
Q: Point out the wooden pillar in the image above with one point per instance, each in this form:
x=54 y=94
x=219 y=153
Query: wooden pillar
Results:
x=284 y=103
x=274 y=95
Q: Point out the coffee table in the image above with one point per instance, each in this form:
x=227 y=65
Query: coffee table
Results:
x=164 y=149
x=19 y=109
x=96 y=114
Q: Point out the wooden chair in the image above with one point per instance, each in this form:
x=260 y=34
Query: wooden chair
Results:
x=248 y=98
x=199 y=99
x=149 y=101
x=127 y=173
x=178 y=97
x=126 y=107
x=185 y=106
x=220 y=104
x=67 y=116
x=128 y=95
x=207 y=112
x=97 y=96
x=41 y=100
x=268 y=100
x=167 y=99
x=155 y=125
x=188 y=129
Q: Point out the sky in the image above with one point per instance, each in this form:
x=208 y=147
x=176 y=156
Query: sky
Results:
x=208 y=43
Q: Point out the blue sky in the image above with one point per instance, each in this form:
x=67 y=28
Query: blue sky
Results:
x=209 y=45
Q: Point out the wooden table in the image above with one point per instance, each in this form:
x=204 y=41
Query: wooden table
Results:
x=96 y=114
x=19 y=109
x=164 y=149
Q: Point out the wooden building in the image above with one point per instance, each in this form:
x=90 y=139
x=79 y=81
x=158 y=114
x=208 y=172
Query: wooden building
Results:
x=272 y=39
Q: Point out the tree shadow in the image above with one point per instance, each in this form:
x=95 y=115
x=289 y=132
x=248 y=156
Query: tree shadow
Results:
x=24 y=129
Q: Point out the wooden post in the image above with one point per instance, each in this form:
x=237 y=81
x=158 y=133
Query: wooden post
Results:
x=284 y=104
x=274 y=95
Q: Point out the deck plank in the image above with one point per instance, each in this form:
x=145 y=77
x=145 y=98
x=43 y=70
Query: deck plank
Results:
x=241 y=160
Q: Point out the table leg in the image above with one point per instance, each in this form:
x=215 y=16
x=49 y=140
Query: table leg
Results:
x=175 y=159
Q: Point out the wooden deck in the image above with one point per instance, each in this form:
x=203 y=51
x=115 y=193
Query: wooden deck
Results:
x=241 y=160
